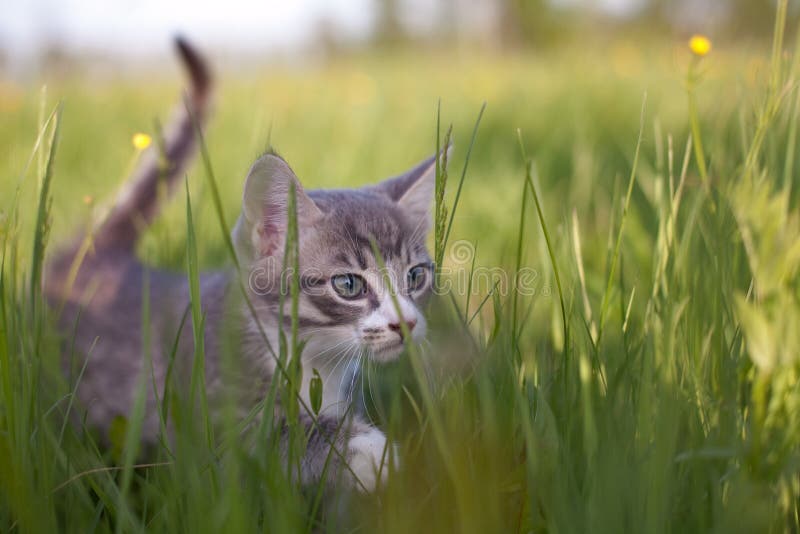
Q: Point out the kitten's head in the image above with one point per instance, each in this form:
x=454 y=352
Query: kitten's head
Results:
x=346 y=300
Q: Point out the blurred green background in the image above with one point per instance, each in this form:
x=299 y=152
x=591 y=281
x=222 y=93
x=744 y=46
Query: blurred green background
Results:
x=655 y=390
x=570 y=77
x=348 y=109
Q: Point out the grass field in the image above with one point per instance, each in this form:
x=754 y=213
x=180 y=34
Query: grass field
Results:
x=646 y=380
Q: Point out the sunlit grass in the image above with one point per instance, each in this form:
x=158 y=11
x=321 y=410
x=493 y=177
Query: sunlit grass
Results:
x=647 y=383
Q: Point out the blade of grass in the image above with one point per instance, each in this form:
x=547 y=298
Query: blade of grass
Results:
x=463 y=175
x=42 y=214
x=133 y=433
x=551 y=252
x=518 y=258
x=198 y=380
x=618 y=243
x=436 y=423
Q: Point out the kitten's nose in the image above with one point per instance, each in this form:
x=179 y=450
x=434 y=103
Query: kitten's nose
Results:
x=395 y=327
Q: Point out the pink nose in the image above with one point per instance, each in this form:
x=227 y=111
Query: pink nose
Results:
x=395 y=327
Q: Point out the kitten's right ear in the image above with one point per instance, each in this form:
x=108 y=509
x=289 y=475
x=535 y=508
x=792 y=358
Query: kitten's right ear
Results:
x=414 y=190
x=260 y=230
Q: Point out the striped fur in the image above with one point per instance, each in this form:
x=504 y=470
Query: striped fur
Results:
x=102 y=301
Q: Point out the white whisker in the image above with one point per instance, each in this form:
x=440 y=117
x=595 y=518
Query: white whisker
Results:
x=329 y=349
x=356 y=372
x=344 y=376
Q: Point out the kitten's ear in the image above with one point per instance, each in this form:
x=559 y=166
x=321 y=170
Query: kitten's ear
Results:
x=261 y=228
x=414 y=190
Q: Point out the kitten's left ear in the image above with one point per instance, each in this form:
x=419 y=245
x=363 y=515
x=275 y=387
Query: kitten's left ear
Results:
x=414 y=190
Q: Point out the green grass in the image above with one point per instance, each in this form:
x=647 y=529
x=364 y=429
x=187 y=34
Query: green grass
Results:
x=644 y=378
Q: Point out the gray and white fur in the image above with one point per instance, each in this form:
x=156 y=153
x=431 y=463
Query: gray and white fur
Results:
x=346 y=310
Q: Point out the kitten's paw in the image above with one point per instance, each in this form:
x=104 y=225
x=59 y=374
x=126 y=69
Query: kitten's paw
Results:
x=369 y=459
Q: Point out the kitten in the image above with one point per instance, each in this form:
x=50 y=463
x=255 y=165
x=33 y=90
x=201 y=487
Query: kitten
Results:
x=346 y=310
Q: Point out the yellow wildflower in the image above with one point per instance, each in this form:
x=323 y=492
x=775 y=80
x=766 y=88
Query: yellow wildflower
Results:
x=700 y=45
x=141 y=141
x=88 y=200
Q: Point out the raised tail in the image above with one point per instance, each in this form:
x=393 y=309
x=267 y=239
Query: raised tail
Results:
x=137 y=206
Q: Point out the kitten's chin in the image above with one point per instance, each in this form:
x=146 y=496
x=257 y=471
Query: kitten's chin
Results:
x=386 y=352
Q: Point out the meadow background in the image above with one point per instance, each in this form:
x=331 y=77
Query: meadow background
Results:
x=648 y=383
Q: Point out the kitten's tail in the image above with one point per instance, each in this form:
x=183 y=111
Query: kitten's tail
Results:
x=137 y=206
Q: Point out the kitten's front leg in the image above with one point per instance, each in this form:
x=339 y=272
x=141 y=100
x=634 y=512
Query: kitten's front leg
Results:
x=369 y=457
x=363 y=447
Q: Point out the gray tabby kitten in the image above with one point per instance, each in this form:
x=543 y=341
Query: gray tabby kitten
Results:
x=345 y=306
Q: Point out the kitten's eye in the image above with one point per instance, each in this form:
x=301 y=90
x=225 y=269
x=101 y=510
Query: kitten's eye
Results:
x=349 y=286
x=416 y=277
